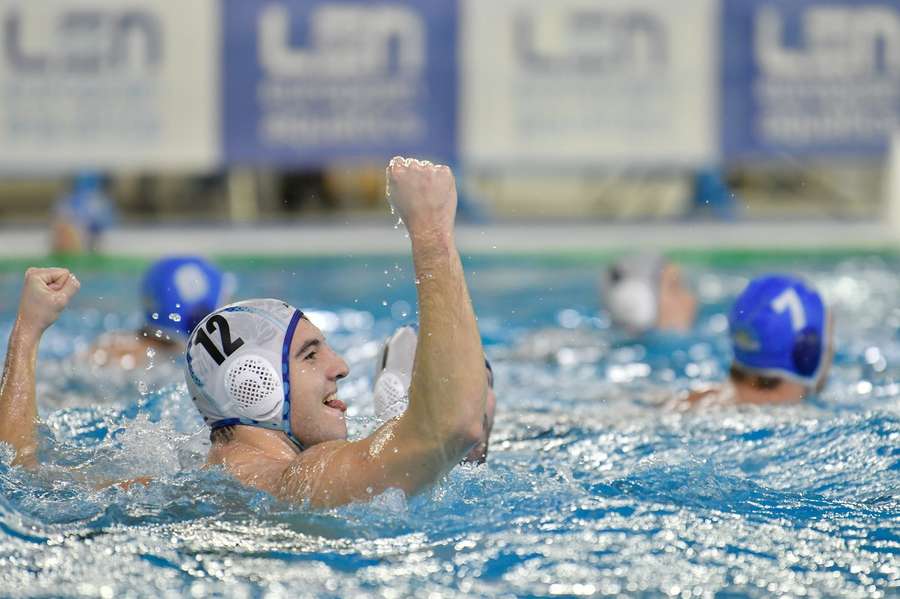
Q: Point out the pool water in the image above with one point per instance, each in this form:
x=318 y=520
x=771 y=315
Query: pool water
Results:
x=598 y=481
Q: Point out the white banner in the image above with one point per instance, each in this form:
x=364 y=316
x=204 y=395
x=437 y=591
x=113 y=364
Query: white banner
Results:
x=585 y=82
x=107 y=84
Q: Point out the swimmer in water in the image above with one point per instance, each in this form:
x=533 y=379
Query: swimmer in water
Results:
x=390 y=393
x=177 y=293
x=266 y=381
x=643 y=293
x=646 y=292
x=781 y=336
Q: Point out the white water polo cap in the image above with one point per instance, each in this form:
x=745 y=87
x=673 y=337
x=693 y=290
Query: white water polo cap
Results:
x=237 y=365
x=631 y=291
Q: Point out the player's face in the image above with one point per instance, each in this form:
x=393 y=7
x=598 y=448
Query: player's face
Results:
x=317 y=415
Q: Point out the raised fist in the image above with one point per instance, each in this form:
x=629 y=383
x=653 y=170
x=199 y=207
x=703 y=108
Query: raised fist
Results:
x=46 y=293
x=423 y=194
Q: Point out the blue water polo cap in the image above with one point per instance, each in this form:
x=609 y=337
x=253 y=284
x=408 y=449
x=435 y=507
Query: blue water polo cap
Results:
x=778 y=327
x=179 y=291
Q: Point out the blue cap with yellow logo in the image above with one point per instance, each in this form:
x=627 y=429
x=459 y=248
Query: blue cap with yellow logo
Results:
x=778 y=327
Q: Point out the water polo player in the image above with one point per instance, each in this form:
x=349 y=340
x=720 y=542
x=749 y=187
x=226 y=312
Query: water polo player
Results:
x=177 y=292
x=265 y=379
x=645 y=292
x=781 y=337
x=390 y=392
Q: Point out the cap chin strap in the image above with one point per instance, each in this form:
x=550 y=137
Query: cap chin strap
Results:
x=285 y=378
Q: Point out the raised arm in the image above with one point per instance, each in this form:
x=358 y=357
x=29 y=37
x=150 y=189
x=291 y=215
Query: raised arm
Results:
x=448 y=389
x=45 y=294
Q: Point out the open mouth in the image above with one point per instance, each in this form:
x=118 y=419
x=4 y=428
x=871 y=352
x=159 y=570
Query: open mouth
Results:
x=334 y=403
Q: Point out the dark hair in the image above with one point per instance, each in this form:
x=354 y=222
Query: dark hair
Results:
x=757 y=381
x=222 y=435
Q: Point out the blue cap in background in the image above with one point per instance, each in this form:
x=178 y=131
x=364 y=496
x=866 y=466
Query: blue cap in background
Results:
x=179 y=291
x=778 y=327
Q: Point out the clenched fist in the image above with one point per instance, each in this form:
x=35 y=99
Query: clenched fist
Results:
x=423 y=194
x=46 y=293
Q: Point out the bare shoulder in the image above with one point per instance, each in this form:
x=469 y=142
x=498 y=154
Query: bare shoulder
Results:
x=321 y=474
x=118 y=348
x=341 y=472
x=249 y=465
x=336 y=472
x=712 y=395
x=699 y=395
x=119 y=341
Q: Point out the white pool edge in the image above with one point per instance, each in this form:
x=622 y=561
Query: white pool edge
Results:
x=379 y=238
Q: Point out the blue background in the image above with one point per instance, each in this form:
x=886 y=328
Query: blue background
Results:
x=742 y=113
x=242 y=74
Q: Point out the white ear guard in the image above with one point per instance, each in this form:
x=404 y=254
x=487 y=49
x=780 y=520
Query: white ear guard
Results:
x=633 y=305
x=254 y=388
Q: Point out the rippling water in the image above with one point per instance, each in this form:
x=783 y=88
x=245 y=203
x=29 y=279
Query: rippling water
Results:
x=597 y=482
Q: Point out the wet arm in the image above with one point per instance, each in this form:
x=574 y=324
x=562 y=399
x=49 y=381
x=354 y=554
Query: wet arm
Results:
x=45 y=294
x=18 y=406
x=448 y=389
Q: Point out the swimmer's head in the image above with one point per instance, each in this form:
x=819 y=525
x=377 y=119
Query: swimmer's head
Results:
x=178 y=291
x=644 y=292
x=261 y=363
x=780 y=330
x=393 y=375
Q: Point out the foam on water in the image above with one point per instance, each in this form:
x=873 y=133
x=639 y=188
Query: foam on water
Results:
x=597 y=482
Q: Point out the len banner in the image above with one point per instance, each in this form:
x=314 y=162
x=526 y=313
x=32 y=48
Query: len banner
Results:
x=584 y=82
x=810 y=78
x=310 y=82
x=90 y=84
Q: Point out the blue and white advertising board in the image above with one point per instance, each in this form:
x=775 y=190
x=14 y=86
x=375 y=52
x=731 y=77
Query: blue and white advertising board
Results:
x=108 y=84
x=810 y=78
x=311 y=82
x=586 y=82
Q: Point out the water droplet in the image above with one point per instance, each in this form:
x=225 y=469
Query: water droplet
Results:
x=400 y=310
x=175 y=317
